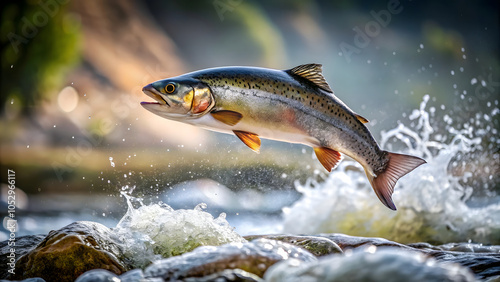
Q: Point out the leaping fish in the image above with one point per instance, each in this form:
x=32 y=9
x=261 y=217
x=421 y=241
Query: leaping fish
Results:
x=295 y=105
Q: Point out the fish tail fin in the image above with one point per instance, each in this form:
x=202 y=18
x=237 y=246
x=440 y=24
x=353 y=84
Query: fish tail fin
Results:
x=397 y=166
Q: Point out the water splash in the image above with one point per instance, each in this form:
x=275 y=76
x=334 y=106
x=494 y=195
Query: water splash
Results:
x=434 y=201
x=152 y=231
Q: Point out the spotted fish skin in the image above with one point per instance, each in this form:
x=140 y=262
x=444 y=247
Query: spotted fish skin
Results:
x=296 y=106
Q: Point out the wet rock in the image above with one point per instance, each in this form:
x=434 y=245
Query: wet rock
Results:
x=98 y=275
x=35 y=279
x=483 y=265
x=71 y=251
x=254 y=257
x=346 y=242
x=132 y=276
x=227 y=275
x=372 y=264
x=484 y=261
x=318 y=246
x=23 y=245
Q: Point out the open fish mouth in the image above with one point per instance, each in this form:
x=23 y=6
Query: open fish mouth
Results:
x=153 y=93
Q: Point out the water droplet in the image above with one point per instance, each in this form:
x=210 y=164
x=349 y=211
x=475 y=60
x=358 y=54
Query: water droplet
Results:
x=11 y=66
x=473 y=81
x=421 y=46
x=452 y=72
x=111 y=162
x=28 y=146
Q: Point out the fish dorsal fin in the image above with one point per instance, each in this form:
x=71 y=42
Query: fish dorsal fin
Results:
x=313 y=73
x=361 y=119
x=252 y=140
x=228 y=117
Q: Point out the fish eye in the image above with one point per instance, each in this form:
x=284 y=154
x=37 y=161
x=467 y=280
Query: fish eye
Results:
x=170 y=88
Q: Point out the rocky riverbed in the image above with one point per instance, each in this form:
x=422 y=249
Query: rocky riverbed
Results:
x=89 y=251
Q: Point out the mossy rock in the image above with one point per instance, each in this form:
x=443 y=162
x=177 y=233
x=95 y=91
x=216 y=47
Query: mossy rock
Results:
x=70 y=251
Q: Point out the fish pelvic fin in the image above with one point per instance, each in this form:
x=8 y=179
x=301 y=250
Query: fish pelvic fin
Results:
x=312 y=73
x=329 y=158
x=398 y=166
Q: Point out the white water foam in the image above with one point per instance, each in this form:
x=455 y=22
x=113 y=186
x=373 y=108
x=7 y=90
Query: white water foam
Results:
x=152 y=231
x=431 y=200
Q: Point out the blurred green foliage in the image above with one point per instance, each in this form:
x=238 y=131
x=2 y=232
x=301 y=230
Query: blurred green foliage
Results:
x=39 y=44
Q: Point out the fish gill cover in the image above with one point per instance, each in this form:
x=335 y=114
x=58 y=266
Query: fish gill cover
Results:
x=434 y=202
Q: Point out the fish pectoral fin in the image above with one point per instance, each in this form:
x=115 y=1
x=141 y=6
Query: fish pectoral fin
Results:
x=361 y=119
x=312 y=73
x=250 y=139
x=228 y=117
x=329 y=158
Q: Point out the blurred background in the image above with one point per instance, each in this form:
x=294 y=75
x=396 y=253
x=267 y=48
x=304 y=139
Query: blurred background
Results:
x=73 y=130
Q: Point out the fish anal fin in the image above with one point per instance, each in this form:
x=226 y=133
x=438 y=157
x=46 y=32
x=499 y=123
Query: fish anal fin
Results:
x=228 y=117
x=329 y=158
x=398 y=166
x=252 y=140
x=361 y=119
x=312 y=73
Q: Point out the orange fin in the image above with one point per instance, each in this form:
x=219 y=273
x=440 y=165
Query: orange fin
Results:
x=250 y=139
x=329 y=158
x=228 y=117
x=398 y=166
x=361 y=119
x=313 y=73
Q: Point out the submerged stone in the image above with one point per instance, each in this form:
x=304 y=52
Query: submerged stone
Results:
x=372 y=264
x=318 y=246
x=254 y=257
x=70 y=251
